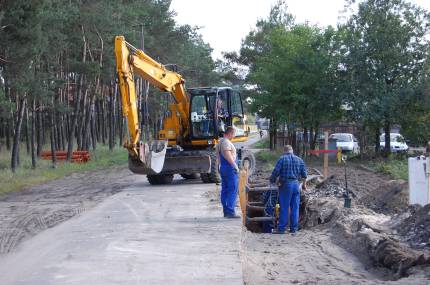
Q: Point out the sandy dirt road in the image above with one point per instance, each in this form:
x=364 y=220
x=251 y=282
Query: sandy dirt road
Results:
x=142 y=235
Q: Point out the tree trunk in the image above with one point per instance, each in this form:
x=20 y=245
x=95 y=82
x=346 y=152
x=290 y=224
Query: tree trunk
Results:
x=75 y=119
x=77 y=105
x=43 y=126
x=377 y=140
x=93 y=130
x=363 y=140
x=294 y=139
x=52 y=138
x=121 y=122
x=103 y=126
x=16 y=139
x=27 y=132
x=8 y=134
x=80 y=131
x=272 y=135
x=33 y=135
x=387 y=131
x=10 y=123
x=39 y=130
x=112 y=117
x=86 y=130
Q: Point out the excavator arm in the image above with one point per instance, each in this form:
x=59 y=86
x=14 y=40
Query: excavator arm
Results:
x=130 y=60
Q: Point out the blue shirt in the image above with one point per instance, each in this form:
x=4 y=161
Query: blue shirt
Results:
x=289 y=167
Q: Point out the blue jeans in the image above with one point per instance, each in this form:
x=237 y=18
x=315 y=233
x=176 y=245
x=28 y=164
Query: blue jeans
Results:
x=229 y=189
x=289 y=200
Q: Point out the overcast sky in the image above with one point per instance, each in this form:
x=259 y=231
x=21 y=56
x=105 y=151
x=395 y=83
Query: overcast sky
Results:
x=224 y=23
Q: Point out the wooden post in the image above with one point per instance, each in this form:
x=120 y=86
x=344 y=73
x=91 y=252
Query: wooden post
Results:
x=325 y=172
x=243 y=178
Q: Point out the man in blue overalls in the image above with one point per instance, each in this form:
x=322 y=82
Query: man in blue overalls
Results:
x=229 y=170
x=290 y=169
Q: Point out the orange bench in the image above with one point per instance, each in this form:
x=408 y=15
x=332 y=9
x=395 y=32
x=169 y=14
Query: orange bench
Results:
x=79 y=156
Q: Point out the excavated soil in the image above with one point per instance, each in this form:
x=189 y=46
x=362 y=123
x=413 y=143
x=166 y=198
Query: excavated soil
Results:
x=25 y=213
x=415 y=229
x=373 y=242
x=372 y=190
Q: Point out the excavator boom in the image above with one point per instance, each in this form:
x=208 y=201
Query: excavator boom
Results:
x=131 y=60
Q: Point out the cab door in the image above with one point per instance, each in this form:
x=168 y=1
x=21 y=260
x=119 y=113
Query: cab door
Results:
x=237 y=117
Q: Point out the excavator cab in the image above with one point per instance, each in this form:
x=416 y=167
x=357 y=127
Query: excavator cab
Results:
x=213 y=109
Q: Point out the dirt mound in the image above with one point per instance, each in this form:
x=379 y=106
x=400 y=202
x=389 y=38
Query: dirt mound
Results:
x=370 y=189
x=332 y=187
x=416 y=228
x=391 y=198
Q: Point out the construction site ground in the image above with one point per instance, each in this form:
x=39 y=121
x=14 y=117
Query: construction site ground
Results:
x=110 y=227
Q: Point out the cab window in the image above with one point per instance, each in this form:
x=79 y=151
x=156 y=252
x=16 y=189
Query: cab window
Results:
x=237 y=118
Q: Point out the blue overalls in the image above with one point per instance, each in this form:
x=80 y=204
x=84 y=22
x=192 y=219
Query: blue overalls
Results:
x=289 y=200
x=289 y=169
x=229 y=186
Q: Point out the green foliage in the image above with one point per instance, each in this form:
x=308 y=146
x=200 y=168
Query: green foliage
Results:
x=264 y=143
x=291 y=71
x=26 y=176
x=384 y=56
x=268 y=158
x=42 y=38
x=396 y=168
x=376 y=65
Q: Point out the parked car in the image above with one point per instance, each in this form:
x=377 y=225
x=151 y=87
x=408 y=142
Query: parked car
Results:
x=397 y=142
x=346 y=141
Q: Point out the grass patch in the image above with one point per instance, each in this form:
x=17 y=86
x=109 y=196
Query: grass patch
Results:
x=263 y=143
x=268 y=158
x=396 y=168
x=25 y=176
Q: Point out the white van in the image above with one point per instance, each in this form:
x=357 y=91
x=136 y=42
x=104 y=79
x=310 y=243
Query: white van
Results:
x=397 y=142
x=346 y=141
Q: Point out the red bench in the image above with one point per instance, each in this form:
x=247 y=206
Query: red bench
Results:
x=79 y=156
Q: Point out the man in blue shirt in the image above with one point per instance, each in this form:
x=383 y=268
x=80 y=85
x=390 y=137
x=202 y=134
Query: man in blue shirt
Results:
x=290 y=169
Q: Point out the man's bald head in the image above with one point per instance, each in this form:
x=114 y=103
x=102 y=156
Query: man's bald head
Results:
x=288 y=149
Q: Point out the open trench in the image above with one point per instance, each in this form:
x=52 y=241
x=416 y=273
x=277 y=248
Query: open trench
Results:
x=334 y=244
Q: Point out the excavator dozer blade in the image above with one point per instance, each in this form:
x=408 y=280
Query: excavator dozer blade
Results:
x=186 y=162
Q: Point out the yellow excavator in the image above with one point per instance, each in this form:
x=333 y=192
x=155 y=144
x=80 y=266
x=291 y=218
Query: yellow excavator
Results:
x=191 y=128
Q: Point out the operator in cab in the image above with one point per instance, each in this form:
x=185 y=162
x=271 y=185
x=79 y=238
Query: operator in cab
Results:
x=290 y=169
x=222 y=115
x=229 y=170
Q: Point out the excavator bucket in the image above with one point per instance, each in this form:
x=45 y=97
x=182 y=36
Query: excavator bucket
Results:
x=184 y=162
x=152 y=156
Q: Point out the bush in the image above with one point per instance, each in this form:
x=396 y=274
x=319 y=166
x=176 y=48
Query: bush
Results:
x=264 y=143
x=268 y=158
x=396 y=168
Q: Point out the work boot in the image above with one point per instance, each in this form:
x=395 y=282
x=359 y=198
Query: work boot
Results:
x=278 y=232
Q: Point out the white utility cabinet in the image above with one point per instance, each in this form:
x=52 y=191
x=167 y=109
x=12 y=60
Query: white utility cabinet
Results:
x=419 y=177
